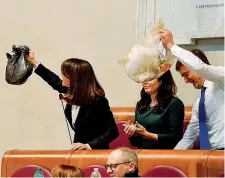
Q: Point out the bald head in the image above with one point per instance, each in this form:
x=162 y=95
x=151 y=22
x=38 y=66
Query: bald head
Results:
x=127 y=155
x=116 y=156
x=122 y=161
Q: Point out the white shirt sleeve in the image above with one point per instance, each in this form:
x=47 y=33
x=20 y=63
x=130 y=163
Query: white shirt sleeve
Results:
x=89 y=148
x=214 y=74
x=192 y=131
x=36 y=65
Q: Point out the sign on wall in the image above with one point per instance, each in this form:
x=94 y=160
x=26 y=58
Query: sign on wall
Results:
x=188 y=19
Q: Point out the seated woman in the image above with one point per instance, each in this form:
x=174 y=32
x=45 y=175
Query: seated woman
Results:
x=159 y=115
x=67 y=171
x=87 y=110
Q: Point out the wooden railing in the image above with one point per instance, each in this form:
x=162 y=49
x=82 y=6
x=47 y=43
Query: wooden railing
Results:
x=194 y=163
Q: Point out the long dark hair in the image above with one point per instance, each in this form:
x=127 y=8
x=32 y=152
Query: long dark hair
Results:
x=166 y=91
x=84 y=86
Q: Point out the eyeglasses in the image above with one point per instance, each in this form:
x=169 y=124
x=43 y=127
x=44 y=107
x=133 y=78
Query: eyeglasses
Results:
x=114 y=166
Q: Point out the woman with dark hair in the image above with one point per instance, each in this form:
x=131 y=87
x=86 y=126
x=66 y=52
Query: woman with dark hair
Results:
x=159 y=115
x=87 y=110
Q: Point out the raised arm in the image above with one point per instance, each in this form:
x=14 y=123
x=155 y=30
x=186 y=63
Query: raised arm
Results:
x=214 y=74
x=51 y=78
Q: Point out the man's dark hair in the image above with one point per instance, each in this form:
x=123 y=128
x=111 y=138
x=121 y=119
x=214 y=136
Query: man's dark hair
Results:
x=197 y=52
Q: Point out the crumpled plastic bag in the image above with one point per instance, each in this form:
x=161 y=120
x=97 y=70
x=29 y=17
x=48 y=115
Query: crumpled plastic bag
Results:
x=148 y=59
x=18 y=68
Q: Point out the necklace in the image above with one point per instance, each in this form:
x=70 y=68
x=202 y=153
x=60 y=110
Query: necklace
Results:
x=152 y=105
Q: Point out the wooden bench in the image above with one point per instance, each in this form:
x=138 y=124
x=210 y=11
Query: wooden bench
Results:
x=127 y=113
x=193 y=163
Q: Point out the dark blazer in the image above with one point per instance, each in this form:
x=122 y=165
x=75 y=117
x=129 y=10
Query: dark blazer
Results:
x=95 y=124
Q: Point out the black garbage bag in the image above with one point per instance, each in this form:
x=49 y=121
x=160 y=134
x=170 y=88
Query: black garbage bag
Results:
x=18 y=68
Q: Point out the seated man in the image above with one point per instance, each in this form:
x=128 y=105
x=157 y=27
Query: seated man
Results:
x=122 y=162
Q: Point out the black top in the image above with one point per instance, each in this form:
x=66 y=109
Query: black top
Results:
x=95 y=124
x=168 y=125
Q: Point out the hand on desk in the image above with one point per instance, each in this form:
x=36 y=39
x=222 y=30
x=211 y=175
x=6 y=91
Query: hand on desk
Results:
x=80 y=146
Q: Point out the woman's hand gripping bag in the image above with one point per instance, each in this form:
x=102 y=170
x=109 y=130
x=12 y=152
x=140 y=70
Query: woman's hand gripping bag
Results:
x=18 y=68
x=148 y=59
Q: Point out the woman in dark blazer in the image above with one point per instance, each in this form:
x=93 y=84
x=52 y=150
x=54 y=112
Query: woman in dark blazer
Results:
x=93 y=123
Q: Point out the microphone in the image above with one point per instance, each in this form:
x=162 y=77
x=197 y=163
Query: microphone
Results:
x=60 y=98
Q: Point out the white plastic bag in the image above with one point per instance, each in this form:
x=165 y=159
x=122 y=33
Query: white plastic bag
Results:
x=148 y=59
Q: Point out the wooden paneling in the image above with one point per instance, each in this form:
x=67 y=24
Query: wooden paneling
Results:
x=127 y=113
x=194 y=163
x=16 y=159
x=215 y=163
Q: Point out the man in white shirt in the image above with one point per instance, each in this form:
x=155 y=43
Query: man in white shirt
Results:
x=195 y=68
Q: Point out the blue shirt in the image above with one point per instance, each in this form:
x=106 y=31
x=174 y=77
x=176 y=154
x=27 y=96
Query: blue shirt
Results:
x=214 y=101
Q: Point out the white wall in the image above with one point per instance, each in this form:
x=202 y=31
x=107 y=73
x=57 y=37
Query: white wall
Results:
x=100 y=31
